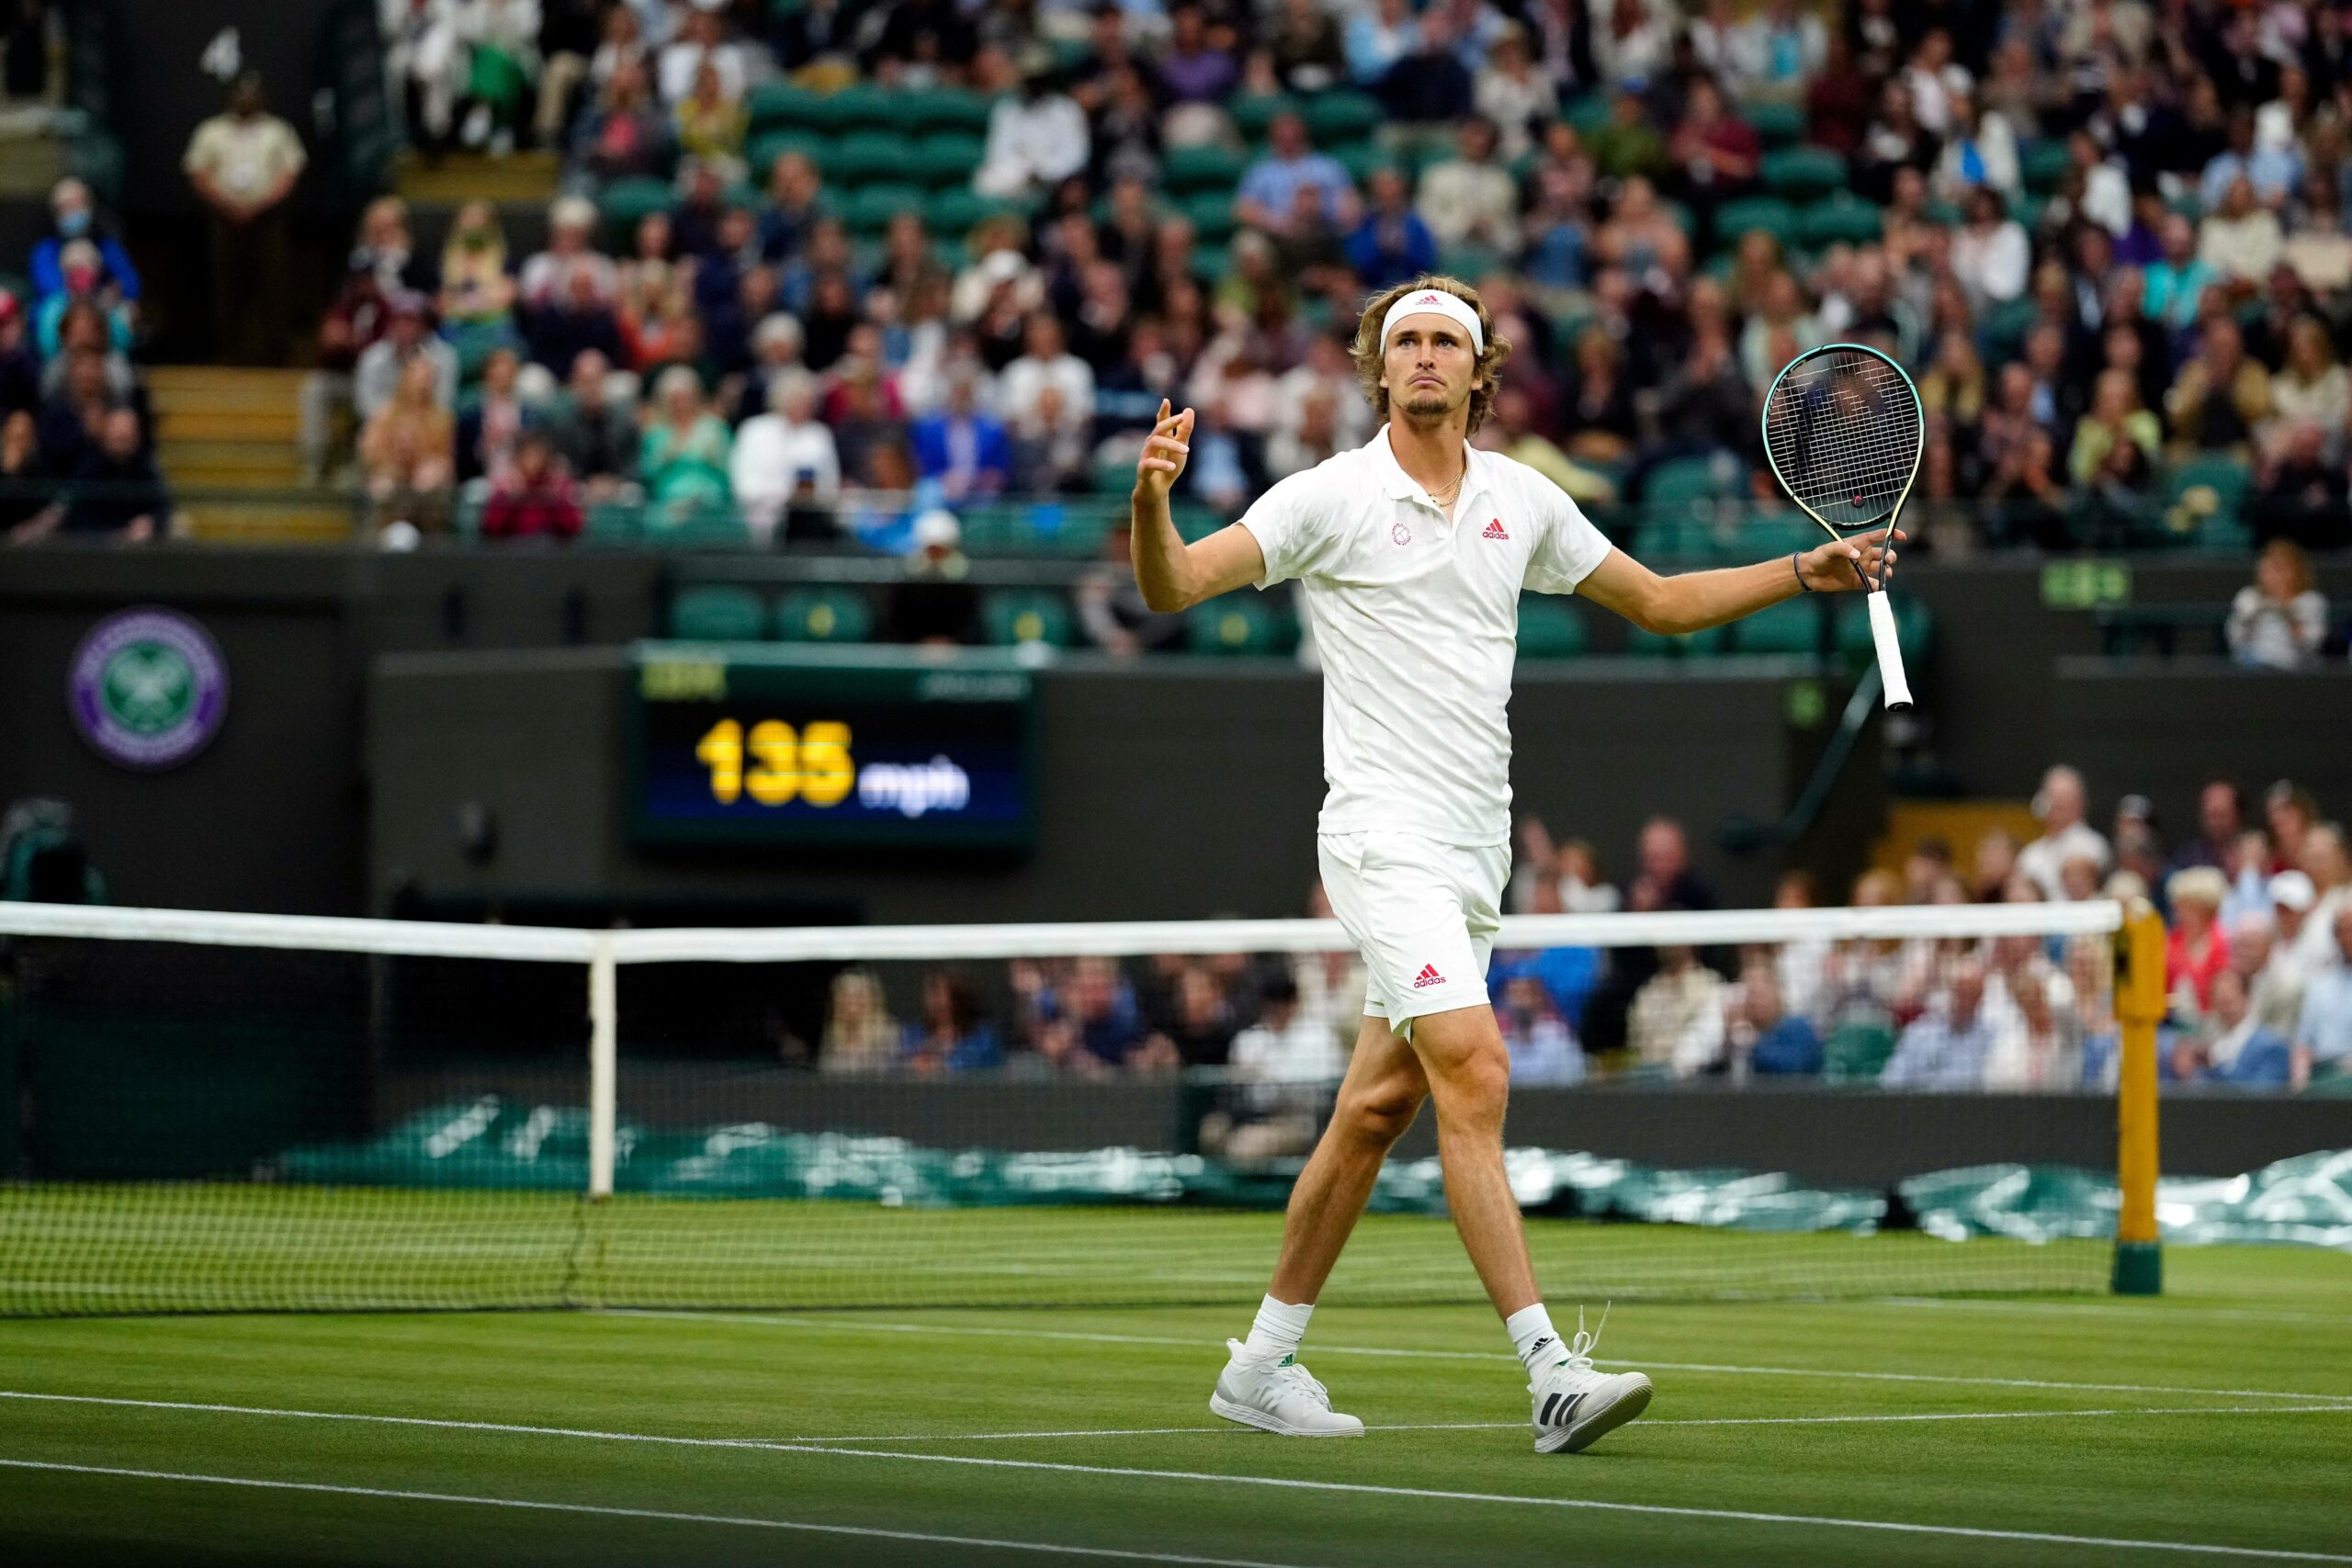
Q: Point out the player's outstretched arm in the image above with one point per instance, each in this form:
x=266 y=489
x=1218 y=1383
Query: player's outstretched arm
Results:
x=1693 y=601
x=1174 y=575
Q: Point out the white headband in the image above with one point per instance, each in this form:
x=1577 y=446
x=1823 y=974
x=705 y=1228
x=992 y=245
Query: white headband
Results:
x=1434 y=302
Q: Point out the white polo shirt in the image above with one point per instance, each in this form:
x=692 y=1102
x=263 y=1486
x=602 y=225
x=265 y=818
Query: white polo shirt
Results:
x=1417 y=623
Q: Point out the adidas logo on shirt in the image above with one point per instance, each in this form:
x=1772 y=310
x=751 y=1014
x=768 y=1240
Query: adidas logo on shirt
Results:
x=1427 y=976
x=1496 y=530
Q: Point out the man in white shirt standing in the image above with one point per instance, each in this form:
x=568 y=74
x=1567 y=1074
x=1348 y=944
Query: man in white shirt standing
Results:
x=2065 y=835
x=1412 y=551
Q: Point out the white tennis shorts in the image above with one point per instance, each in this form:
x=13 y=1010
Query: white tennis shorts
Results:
x=1423 y=915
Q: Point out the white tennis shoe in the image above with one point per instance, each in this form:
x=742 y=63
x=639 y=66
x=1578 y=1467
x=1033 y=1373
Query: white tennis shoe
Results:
x=1277 y=1397
x=1576 y=1406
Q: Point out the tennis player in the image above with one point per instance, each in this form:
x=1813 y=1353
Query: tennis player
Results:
x=1412 y=551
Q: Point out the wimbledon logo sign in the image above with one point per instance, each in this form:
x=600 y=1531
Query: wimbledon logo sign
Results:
x=148 y=688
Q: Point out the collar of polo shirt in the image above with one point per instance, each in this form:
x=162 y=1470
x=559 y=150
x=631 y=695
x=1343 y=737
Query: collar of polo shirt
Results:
x=1400 y=485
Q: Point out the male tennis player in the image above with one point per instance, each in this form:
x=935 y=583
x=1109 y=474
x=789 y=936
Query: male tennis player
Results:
x=1413 y=550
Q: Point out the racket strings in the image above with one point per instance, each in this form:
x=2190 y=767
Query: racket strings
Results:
x=1842 y=430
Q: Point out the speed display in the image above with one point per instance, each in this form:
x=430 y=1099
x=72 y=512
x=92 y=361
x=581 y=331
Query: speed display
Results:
x=811 y=748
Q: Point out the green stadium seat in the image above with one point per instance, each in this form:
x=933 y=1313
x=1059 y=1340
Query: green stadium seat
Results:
x=1210 y=264
x=1840 y=216
x=1792 y=626
x=2206 y=492
x=1588 y=114
x=1802 y=174
x=858 y=109
x=868 y=210
x=624 y=203
x=465 y=517
x=874 y=155
x=1195 y=521
x=1241 y=624
x=1734 y=219
x=1776 y=124
x=1549 y=627
x=761 y=153
x=2003 y=327
x=1857 y=1053
x=2042 y=165
x=824 y=614
x=943 y=109
x=952 y=214
x=1187 y=170
x=777 y=104
x=1914 y=630
x=691 y=526
x=1212 y=216
x=1251 y=115
x=613 y=522
x=945 y=160
x=1663 y=645
x=1340 y=116
x=1017 y=616
x=1365 y=159
x=1680 y=481
x=718 y=612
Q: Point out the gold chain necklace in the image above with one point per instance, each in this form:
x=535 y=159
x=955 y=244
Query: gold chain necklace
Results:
x=1445 y=497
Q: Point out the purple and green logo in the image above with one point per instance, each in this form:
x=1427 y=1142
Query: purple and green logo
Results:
x=148 y=688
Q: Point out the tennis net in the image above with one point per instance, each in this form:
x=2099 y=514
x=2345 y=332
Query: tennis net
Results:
x=236 y=1112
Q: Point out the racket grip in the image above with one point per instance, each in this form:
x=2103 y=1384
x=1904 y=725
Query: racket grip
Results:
x=1890 y=651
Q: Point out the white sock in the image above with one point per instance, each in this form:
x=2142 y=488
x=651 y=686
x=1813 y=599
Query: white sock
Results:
x=1531 y=1334
x=1278 y=1329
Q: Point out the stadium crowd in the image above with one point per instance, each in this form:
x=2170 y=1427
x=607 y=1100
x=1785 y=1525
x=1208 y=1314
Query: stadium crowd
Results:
x=2258 y=897
x=2109 y=238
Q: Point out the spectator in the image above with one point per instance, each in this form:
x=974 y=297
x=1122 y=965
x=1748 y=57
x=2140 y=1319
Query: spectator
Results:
x=534 y=497
x=21 y=376
x=1469 y=199
x=1269 y=197
x=1717 y=155
x=2240 y=239
x=593 y=432
x=2311 y=388
x=777 y=345
x=1047 y=362
x=1197 y=70
x=2324 y=862
x=580 y=320
x=1676 y=1021
x=2198 y=949
x=682 y=459
x=2323 y=1044
x=2116 y=441
x=2221 y=396
x=2279 y=620
x=1980 y=153
x=1098 y=1028
x=2221 y=824
x=73 y=417
x=501 y=53
x=1773 y=1041
x=243 y=164
x=1111 y=608
x=407 y=450
x=476 y=292
x=861 y=1037
x=493 y=421
x=1947 y=1047
x=1038 y=138
x=710 y=123
x=548 y=278
x=1543 y=1049
x=785 y=464
x=2060 y=804
x=74 y=216
x=2271 y=173
x=703 y=40
x=115 y=489
x=951 y=1035
x=82 y=294
x=1512 y=94
x=1990 y=256
x=2234 y=1046
x=1392 y=242
x=25 y=490
x=1430 y=88
x=2176 y=284
x=625 y=135
x=1628 y=146
x=1777 y=52
x=960 y=448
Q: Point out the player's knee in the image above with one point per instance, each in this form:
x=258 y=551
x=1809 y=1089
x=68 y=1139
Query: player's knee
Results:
x=1475 y=1087
x=1378 y=1115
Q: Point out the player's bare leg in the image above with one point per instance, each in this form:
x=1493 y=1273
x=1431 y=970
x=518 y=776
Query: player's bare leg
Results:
x=1468 y=1067
x=1262 y=1385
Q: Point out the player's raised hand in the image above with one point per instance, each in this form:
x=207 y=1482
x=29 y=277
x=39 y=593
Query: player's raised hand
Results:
x=1164 y=452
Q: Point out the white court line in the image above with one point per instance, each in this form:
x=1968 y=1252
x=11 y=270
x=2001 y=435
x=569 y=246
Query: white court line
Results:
x=857 y=1327
x=2159 y=1310
x=664 y=1514
x=795 y=1443
x=1355 y=1488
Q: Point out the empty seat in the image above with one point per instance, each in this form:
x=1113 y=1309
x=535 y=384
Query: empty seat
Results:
x=718 y=612
x=1016 y=616
x=824 y=614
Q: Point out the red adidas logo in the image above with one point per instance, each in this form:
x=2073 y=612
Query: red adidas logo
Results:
x=1427 y=976
x=1494 y=530
x=1426 y=300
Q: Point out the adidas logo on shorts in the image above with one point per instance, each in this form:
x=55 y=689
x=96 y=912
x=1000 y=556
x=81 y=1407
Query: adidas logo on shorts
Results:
x=1427 y=976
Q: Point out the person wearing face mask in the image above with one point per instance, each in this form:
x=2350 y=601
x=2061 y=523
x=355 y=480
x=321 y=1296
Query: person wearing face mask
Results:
x=74 y=216
x=85 y=274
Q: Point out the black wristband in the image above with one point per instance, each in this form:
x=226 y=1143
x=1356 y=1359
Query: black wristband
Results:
x=1796 y=564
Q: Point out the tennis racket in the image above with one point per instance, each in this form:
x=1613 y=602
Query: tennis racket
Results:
x=1844 y=432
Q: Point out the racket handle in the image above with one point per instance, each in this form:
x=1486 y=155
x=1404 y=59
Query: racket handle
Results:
x=1890 y=651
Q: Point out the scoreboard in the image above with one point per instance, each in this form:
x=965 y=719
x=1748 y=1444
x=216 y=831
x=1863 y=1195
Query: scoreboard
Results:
x=798 y=748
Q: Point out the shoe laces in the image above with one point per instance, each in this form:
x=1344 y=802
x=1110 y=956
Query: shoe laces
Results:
x=1297 y=1380
x=1581 y=1348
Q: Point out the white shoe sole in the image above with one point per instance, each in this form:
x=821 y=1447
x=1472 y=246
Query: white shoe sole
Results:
x=1598 y=1422
x=1219 y=1405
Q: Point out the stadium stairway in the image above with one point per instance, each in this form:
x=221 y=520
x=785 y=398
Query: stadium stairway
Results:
x=226 y=439
x=470 y=176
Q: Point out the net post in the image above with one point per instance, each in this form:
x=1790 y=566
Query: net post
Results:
x=2139 y=1009
x=604 y=1035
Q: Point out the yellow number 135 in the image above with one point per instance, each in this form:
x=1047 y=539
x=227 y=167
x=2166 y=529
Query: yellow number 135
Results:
x=814 y=764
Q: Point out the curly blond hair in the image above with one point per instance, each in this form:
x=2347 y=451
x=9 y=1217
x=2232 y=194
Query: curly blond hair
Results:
x=1367 y=355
